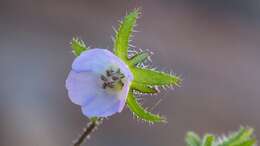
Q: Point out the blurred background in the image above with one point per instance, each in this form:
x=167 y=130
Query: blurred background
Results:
x=213 y=44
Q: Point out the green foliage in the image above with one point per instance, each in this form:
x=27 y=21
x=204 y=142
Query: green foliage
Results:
x=243 y=137
x=142 y=88
x=78 y=46
x=192 y=139
x=124 y=33
x=140 y=112
x=138 y=58
x=154 y=78
x=208 y=140
x=145 y=80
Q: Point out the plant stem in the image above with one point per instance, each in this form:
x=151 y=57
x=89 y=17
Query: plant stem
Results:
x=91 y=127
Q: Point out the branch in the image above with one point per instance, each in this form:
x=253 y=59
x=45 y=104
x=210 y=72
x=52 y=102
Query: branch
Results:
x=91 y=127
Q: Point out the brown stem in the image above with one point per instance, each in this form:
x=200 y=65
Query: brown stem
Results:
x=91 y=126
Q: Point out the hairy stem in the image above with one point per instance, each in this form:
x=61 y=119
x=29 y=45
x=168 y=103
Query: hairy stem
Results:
x=91 y=126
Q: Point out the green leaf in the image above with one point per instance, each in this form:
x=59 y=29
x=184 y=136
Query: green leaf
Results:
x=123 y=36
x=208 y=140
x=78 y=46
x=154 y=78
x=192 y=139
x=143 y=88
x=244 y=135
x=250 y=142
x=138 y=58
x=140 y=112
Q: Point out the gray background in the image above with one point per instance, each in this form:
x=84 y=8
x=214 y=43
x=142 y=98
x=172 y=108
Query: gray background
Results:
x=213 y=44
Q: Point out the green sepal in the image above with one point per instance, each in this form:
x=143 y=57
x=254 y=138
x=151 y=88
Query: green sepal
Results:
x=78 y=46
x=123 y=35
x=155 y=78
x=138 y=58
x=140 y=112
x=243 y=136
x=208 y=140
x=192 y=139
x=142 y=88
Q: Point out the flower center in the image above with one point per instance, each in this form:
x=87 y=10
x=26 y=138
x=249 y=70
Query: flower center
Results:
x=112 y=79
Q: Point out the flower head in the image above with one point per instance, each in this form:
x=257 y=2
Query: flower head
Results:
x=99 y=82
x=102 y=82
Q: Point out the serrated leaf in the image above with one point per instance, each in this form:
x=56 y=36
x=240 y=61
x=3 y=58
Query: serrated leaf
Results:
x=78 y=46
x=140 y=112
x=138 y=58
x=242 y=136
x=154 y=78
x=142 y=88
x=237 y=138
x=250 y=142
x=192 y=139
x=123 y=35
x=208 y=140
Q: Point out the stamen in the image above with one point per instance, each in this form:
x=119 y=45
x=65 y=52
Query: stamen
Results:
x=112 y=78
x=108 y=73
x=103 y=78
x=115 y=78
x=104 y=86
x=122 y=76
x=118 y=71
x=110 y=84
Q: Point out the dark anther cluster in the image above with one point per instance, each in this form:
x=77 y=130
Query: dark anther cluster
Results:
x=111 y=78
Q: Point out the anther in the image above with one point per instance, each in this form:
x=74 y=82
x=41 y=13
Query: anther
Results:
x=110 y=84
x=122 y=76
x=108 y=72
x=115 y=78
x=111 y=78
x=103 y=78
x=104 y=86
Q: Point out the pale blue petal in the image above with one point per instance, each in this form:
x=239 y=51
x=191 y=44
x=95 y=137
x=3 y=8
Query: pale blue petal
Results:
x=99 y=60
x=85 y=86
x=82 y=87
x=123 y=94
x=101 y=110
x=106 y=103
x=111 y=110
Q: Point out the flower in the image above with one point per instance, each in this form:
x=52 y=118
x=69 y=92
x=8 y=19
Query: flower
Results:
x=99 y=82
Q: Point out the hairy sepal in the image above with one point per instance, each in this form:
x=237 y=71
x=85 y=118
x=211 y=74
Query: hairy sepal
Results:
x=124 y=33
x=78 y=46
x=155 y=78
x=140 y=112
x=142 y=88
x=138 y=58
